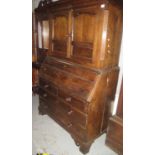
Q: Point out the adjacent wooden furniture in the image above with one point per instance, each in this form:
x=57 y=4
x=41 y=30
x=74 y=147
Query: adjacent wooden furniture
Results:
x=114 y=137
x=78 y=78
x=38 y=55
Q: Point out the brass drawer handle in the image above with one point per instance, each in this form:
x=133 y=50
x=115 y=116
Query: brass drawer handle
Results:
x=70 y=112
x=69 y=125
x=68 y=99
x=46 y=86
x=44 y=95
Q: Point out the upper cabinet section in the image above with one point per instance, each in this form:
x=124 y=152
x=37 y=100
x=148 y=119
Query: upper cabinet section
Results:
x=82 y=31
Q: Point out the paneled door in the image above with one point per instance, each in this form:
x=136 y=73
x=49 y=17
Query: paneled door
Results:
x=84 y=27
x=60 y=33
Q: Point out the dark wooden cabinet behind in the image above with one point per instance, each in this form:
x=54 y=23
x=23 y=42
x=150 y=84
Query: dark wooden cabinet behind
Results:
x=78 y=78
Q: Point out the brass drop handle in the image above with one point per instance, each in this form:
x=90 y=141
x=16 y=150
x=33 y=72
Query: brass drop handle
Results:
x=45 y=95
x=68 y=99
x=46 y=86
x=69 y=125
x=70 y=112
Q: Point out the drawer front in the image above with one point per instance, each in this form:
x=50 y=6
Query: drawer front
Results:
x=45 y=84
x=65 y=112
x=75 y=103
x=73 y=115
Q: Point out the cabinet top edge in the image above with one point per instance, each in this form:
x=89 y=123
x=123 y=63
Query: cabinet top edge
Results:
x=47 y=4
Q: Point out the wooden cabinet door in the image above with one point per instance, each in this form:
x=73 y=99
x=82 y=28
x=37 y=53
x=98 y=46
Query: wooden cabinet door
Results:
x=84 y=27
x=60 y=33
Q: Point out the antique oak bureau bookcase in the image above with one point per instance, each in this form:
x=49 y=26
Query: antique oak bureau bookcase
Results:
x=78 y=77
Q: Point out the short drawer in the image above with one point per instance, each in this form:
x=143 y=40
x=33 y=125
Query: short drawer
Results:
x=75 y=103
x=73 y=115
x=48 y=86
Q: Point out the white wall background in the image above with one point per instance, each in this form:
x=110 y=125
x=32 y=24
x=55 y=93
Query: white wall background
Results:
x=114 y=104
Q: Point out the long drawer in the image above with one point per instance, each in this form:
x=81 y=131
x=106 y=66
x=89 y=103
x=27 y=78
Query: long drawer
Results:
x=80 y=105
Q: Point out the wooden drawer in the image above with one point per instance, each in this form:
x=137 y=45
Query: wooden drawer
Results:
x=73 y=115
x=75 y=103
x=45 y=84
x=64 y=111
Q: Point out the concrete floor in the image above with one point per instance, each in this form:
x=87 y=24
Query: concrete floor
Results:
x=49 y=137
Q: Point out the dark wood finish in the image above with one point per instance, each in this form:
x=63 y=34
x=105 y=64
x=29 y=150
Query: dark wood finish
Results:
x=79 y=71
x=114 y=137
